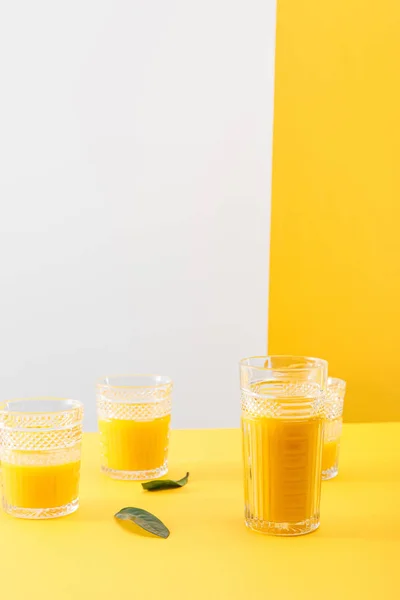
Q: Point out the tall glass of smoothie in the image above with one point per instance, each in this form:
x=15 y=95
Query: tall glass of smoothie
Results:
x=282 y=399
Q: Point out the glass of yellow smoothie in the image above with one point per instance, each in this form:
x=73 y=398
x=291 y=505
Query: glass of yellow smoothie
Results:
x=282 y=400
x=334 y=402
x=134 y=414
x=40 y=456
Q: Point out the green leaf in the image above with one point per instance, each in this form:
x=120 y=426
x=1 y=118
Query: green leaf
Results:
x=144 y=519
x=165 y=484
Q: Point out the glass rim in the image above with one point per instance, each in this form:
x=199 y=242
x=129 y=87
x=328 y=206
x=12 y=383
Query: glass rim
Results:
x=70 y=406
x=338 y=382
x=316 y=363
x=107 y=381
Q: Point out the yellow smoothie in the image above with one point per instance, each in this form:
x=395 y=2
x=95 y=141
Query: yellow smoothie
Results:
x=47 y=486
x=282 y=460
x=330 y=455
x=130 y=445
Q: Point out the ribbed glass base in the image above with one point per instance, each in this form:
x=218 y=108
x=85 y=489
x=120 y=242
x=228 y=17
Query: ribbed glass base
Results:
x=41 y=513
x=283 y=529
x=136 y=475
x=330 y=473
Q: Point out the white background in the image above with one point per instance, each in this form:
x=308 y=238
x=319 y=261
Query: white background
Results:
x=135 y=158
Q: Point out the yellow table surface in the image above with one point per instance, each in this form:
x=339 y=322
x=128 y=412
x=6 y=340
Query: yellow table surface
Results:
x=210 y=553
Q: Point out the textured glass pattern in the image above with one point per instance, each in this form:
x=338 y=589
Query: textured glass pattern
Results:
x=40 y=455
x=134 y=422
x=266 y=399
x=136 y=411
x=282 y=427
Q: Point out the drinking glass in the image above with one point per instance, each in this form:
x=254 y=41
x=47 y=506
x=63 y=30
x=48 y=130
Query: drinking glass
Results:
x=40 y=456
x=282 y=400
x=334 y=401
x=134 y=414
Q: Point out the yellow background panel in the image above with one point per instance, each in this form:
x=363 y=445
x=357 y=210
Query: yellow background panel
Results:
x=335 y=242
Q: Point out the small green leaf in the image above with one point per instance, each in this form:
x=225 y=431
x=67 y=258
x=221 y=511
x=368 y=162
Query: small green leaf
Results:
x=165 y=484
x=144 y=519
